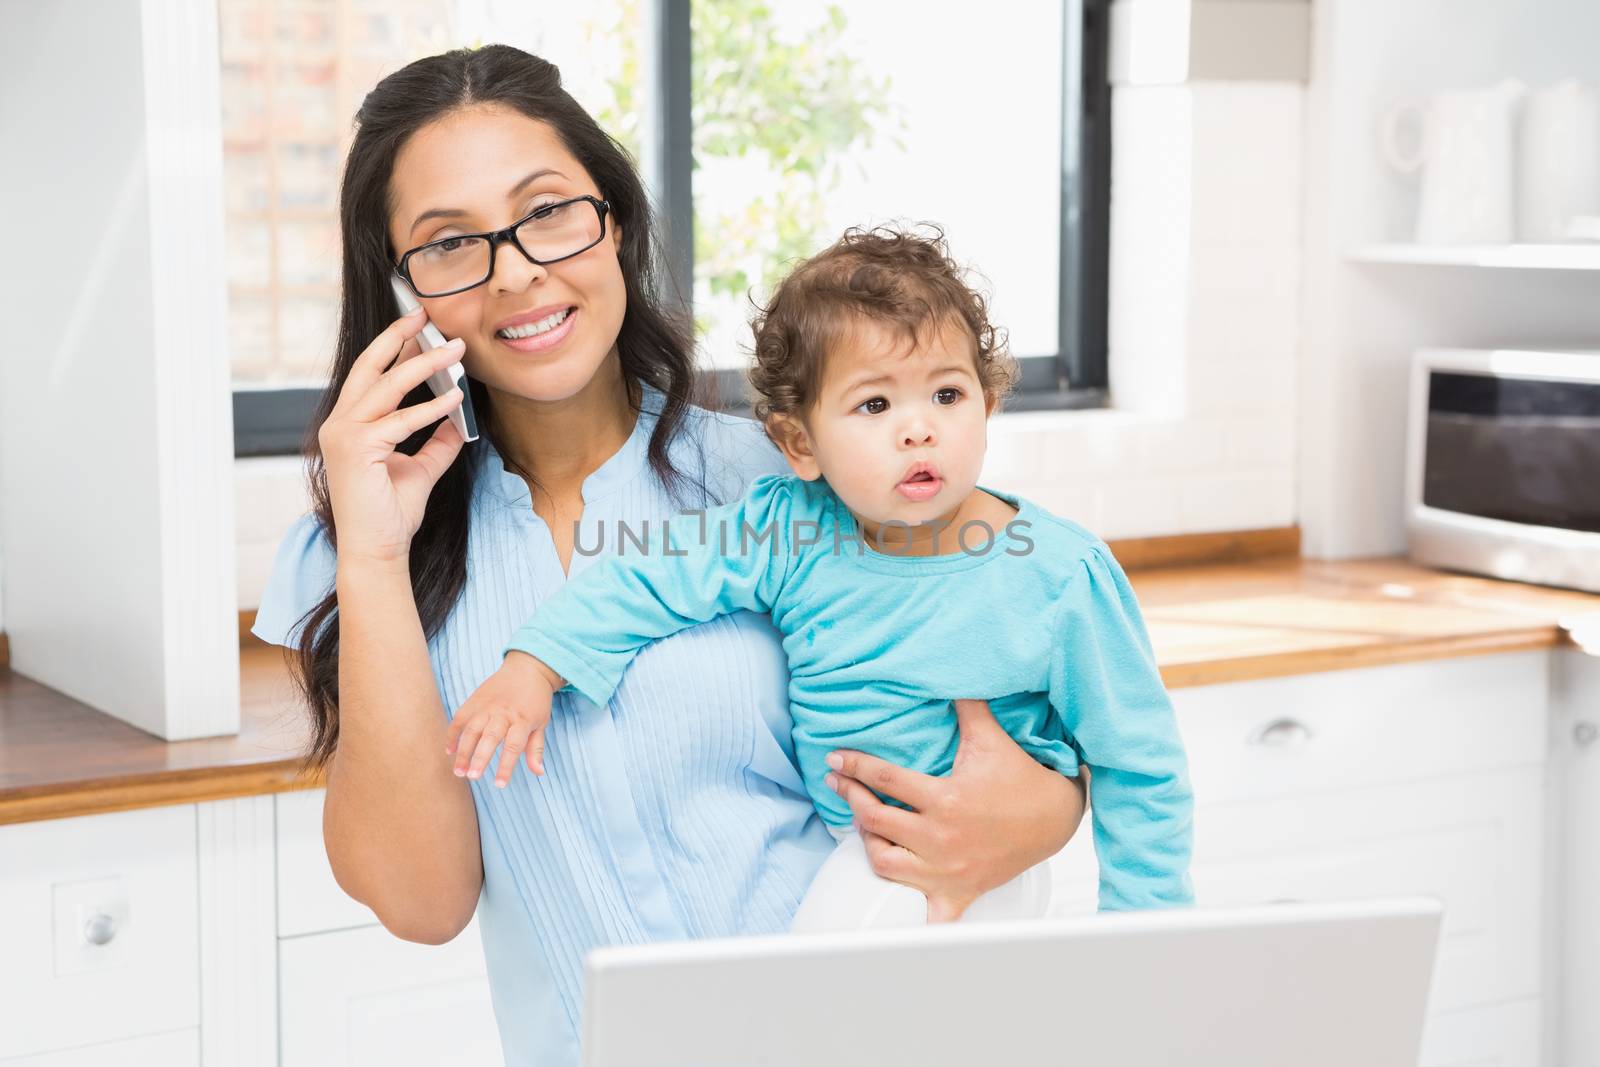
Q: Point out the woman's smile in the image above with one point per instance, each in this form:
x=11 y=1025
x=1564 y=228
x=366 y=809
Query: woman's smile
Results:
x=540 y=334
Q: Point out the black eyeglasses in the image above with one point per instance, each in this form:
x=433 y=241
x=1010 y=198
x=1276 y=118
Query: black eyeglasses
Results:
x=548 y=234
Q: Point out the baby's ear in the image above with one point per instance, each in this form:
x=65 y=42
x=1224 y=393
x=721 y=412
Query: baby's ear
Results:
x=792 y=439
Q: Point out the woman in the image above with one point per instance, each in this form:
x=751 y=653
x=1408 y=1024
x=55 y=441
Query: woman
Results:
x=676 y=810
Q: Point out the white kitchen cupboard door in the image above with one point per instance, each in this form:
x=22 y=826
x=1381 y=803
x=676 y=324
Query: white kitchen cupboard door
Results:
x=1474 y=842
x=1415 y=779
x=1276 y=757
x=1577 y=748
x=1500 y=1035
x=178 y=1049
x=99 y=938
x=354 y=998
x=309 y=900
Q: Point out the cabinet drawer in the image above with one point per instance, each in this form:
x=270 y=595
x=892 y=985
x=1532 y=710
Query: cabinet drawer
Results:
x=1346 y=729
x=1474 y=842
x=364 y=996
x=98 y=919
x=309 y=900
x=1503 y=1035
x=178 y=1049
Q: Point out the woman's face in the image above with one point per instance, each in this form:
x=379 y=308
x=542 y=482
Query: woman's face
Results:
x=482 y=168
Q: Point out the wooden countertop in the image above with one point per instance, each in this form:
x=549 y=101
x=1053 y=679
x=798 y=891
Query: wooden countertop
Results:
x=1269 y=618
x=1209 y=623
x=60 y=757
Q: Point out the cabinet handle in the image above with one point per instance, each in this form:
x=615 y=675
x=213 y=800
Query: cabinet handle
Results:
x=1281 y=733
x=1585 y=734
x=100 y=929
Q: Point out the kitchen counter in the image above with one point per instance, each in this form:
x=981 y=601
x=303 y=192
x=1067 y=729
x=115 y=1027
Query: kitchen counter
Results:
x=1274 y=617
x=1209 y=623
x=60 y=757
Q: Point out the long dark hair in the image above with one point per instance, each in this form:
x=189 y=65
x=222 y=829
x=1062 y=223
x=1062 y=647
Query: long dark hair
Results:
x=654 y=344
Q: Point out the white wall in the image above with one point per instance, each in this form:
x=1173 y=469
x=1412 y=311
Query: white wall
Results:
x=269 y=494
x=1204 y=297
x=1362 y=322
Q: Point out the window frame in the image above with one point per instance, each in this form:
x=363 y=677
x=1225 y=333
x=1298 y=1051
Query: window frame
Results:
x=274 y=421
x=1076 y=376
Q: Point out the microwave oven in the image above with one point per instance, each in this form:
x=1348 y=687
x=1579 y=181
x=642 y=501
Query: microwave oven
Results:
x=1503 y=464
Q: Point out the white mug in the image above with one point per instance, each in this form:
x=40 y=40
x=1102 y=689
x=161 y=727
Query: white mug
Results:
x=1464 y=149
x=1559 y=172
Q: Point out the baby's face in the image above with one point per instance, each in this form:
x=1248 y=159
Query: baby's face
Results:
x=898 y=431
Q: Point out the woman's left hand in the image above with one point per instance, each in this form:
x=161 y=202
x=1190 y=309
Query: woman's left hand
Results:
x=998 y=813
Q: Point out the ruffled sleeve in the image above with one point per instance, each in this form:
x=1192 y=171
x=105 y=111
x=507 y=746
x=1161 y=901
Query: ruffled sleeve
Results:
x=1105 y=683
x=302 y=574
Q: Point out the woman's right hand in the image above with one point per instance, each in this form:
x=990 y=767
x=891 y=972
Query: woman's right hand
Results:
x=377 y=493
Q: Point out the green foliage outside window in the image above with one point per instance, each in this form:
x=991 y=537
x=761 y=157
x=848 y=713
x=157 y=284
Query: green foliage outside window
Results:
x=800 y=107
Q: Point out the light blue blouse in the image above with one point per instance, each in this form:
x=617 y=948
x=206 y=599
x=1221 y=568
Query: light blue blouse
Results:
x=676 y=813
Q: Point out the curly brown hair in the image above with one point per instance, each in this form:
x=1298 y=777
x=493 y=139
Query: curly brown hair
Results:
x=902 y=278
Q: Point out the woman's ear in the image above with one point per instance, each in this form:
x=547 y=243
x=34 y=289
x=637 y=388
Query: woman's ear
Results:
x=793 y=440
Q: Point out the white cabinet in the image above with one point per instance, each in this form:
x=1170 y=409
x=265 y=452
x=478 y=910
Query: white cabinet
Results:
x=1577 y=817
x=1496 y=1035
x=107 y=922
x=178 y=1049
x=351 y=993
x=1472 y=841
x=97 y=924
x=309 y=900
x=1414 y=779
x=356 y=997
x=1343 y=730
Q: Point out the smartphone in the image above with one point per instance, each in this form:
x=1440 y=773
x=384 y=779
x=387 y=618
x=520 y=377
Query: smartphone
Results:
x=441 y=381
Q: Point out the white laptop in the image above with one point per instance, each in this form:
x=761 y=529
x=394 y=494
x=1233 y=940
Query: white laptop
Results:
x=1289 y=985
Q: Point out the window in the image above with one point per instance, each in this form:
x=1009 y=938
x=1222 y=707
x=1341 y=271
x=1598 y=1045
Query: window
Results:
x=876 y=117
x=770 y=128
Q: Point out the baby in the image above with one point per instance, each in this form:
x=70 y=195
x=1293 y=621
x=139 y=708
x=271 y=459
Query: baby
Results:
x=897 y=582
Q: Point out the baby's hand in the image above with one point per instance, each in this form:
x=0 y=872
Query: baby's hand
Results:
x=512 y=706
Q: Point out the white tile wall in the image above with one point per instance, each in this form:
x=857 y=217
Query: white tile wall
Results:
x=269 y=494
x=1205 y=294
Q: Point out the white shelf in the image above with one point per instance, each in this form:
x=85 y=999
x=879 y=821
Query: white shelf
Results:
x=1498 y=257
